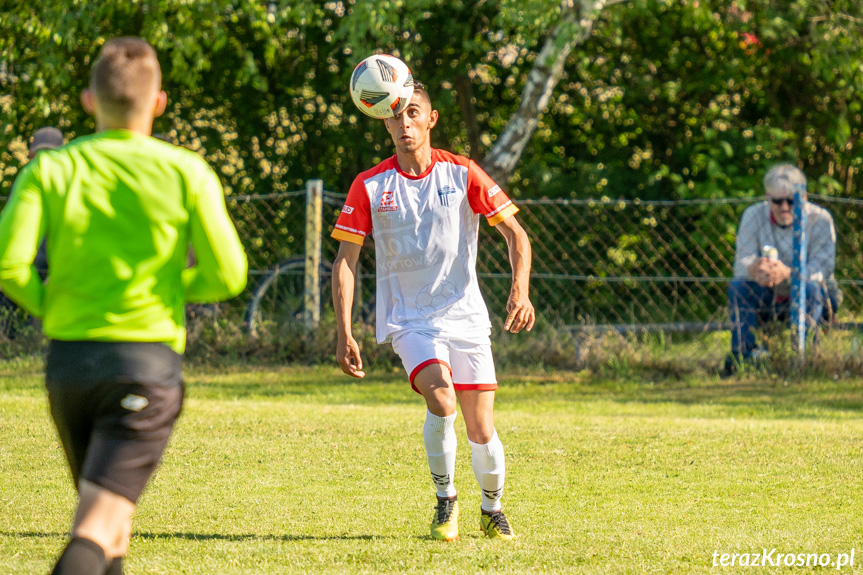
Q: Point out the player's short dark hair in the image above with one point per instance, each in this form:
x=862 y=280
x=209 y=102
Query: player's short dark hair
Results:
x=124 y=75
x=420 y=88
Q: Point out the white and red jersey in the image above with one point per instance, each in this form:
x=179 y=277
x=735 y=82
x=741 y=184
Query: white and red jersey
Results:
x=425 y=229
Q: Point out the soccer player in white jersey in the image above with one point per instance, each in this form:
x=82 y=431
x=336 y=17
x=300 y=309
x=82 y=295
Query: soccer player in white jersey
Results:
x=424 y=206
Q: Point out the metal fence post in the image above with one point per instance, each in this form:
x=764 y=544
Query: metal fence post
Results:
x=799 y=274
x=314 y=208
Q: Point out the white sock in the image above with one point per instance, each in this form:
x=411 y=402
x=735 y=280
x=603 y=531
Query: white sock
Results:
x=490 y=471
x=440 y=440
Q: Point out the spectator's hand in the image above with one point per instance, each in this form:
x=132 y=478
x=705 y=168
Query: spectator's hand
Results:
x=762 y=271
x=780 y=272
x=775 y=272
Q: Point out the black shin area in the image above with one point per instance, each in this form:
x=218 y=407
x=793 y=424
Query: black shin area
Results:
x=81 y=557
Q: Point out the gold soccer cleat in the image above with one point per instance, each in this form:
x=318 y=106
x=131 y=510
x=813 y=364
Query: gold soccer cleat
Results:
x=444 y=525
x=495 y=525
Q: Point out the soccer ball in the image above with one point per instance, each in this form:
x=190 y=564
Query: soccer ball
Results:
x=382 y=86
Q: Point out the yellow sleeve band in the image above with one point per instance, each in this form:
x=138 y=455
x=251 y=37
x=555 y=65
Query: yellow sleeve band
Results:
x=344 y=236
x=508 y=211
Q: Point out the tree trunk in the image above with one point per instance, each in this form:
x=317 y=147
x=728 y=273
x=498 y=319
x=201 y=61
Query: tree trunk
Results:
x=576 y=23
x=468 y=113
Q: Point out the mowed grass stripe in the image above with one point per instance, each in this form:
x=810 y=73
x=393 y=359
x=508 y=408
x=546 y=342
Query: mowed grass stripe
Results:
x=305 y=471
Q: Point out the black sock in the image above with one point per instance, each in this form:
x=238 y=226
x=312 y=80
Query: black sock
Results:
x=116 y=567
x=81 y=557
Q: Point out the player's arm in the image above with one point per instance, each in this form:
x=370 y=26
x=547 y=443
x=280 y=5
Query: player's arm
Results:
x=344 y=274
x=221 y=268
x=520 y=312
x=21 y=230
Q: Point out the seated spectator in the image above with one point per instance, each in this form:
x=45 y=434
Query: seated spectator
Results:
x=761 y=288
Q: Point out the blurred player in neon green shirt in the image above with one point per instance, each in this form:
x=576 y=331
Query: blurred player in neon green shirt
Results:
x=118 y=210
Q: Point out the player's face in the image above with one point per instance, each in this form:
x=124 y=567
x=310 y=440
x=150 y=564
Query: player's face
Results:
x=410 y=129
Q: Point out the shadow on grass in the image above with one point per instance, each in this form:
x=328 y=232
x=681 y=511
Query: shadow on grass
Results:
x=211 y=536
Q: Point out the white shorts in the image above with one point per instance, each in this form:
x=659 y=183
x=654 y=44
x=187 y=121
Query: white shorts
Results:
x=470 y=364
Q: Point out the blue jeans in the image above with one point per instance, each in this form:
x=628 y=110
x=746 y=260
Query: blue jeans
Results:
x=750 y=304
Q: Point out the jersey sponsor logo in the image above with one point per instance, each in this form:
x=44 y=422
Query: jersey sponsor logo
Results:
x=134 y=402
x=446 y=195
x=404 y=264
x=350 y=229
x=388 y=202
x=347 y=209
x=493 y=191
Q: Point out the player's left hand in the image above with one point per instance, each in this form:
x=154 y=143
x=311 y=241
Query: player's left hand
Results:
x=520 y=314
x=348 y=354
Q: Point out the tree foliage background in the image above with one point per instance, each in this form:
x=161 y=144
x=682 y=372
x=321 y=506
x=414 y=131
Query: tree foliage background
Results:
x=657 y=100
x=675 y=98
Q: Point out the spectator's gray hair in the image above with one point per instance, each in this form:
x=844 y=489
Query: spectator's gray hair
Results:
x=782 y=178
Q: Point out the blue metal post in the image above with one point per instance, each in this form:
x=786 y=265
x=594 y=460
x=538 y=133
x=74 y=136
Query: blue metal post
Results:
x=798 y=272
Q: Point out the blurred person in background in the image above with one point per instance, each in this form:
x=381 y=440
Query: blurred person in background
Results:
x=46 y=138
x=761 y=288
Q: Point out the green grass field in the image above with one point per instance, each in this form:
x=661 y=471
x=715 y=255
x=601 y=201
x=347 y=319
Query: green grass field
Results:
x=301 y=470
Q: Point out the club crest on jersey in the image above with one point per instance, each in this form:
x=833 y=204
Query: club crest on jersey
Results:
x=493 y=191
x=388 y=202
x=446 y=195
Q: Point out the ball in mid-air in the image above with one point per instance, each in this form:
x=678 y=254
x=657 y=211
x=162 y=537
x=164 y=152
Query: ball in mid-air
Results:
x=382 y=86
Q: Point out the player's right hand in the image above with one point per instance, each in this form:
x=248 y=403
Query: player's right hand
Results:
x=348 y=354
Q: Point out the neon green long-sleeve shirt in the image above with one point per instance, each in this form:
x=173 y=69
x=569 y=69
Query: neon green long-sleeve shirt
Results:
x=119 y=211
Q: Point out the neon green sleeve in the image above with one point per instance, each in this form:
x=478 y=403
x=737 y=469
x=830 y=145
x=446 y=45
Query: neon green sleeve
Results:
x=221 y=267
x=21 y=229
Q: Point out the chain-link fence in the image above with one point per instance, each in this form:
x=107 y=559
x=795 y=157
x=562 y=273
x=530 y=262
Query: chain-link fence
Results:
x=626 y=266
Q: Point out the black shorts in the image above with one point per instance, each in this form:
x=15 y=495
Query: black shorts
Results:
x=114 y=404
